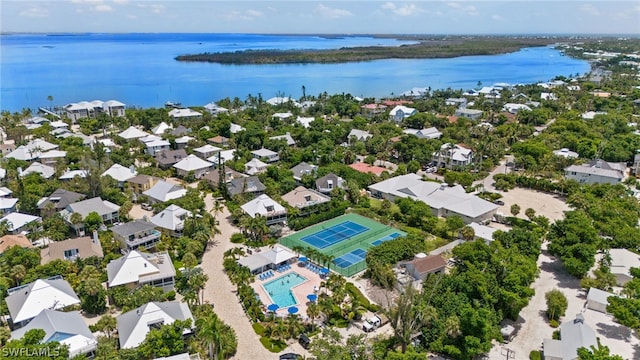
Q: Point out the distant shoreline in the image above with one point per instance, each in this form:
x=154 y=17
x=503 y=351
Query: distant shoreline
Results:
x=428 y=47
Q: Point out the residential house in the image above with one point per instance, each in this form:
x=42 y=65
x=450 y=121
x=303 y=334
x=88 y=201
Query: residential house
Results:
x=327 y=183
x=9 y=241
x=370 y=111
x=136 y=269
x=164 y=191
x=459 y=102
x=548 y=96
x=265 y=206
x=19 y=223
x=429 y=133
x=183 y=141
x=215 y=109
x=6 y=149
x=58 y=200
x=181 y=130
x=52 y=156
x=213 y=176
x=136 y=234
x=235 y=128
x=416 y=92
x=133 y=326
x=121 y=173
x=515 y=108
x=89 y=109
x=303 y=169
x=453 y=156
x=24 y=302
x=72 y=249
x=622 y=260
x=108 y=211
x=472 y=114
x=132 y=133
x=184 y=114
x=279 y=100
x=598 y=300
x=574 y=334
x=368 y=169
x=305 y=122
x=72 y=174
x=590 y=115
x=171 y=219
x=482 y=232
x=7 y=206
x=67 y=328
x=265 y=155
x=32 y=150
x=219 y=140
x=156 y=146
x=161 y=128
x=255 y=166
x=597 y=172
x=358 y=135
x=305 y=200
x=192 y=165
x=566 y=153
x=401 y=112
x=423 y=265
x=286 y=137
x=166 y=159
x=222 y=157
x=246 y=185
x=443 y=200
x=5 y=192
x=37 y=168
x=282 y=115
x=141 y=183
x=206 y=151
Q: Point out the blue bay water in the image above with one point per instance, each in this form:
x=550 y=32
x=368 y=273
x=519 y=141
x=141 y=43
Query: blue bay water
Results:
x=140 y=70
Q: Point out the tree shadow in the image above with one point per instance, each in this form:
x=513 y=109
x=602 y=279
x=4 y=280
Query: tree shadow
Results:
x=554 y=266
x=636 y=351
x=614 y=331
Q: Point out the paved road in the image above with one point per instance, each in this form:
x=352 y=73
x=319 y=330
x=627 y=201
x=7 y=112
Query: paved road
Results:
x=220 y=292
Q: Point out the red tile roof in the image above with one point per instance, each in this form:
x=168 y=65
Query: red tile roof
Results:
x=366 y=168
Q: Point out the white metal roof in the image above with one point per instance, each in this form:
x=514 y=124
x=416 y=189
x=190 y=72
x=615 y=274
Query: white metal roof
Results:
x=41 y=294
x=171 y=218
x=263 y=205
x=164 y=191
x=120 y=172
x=192 y=163
x=132 y=133
x=133 y=326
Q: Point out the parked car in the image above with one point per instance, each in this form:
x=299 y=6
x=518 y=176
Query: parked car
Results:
x=290 y=356
x=499 y=202
x=304 y=341
x=146 y=206
x=371 y=324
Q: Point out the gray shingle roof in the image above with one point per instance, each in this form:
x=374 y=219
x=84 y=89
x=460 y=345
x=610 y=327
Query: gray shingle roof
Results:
x=132 y=227
x=96 y=204
x=61 y=198
x=243 y=185
x=133 y=326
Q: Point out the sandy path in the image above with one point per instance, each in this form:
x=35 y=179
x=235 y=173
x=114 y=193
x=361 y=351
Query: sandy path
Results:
x=220 y=292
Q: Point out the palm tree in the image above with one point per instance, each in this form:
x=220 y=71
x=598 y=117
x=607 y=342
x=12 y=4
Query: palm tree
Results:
x=107 y=324
x=452 y=326
x=76 y=219
x=313 y=311
x=18 y=273
x=208 y=331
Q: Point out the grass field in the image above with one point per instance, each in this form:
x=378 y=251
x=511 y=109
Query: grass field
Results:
x=364 y=240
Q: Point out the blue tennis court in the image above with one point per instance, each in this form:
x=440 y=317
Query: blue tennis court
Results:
x=386 y=238
x=334 y=234
x=351 y=258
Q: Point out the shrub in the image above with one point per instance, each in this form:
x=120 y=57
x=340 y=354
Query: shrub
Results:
x=238 y=238
x=554 y=323
x=272 y=345
x=535 y=355
x=258 y=328
x=556 y=304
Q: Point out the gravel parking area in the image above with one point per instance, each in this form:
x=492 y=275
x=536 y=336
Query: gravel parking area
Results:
x=549 y=205
x=533 y=326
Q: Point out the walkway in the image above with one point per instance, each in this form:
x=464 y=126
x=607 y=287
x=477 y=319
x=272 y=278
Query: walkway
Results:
x=221 y=293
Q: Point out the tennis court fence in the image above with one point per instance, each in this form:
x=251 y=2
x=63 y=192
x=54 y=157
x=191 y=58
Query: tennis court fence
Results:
x=350 y=270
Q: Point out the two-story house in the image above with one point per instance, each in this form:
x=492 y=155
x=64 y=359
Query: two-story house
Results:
x=453 y=156
x=141 y=183
x=72 y=249
x=265 y=155
x=136 y=234
x=265 y=206
x=108 y=211
x=136 y=269
x=171 y=220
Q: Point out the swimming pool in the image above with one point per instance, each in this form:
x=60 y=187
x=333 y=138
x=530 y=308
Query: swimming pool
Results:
x=279 y=289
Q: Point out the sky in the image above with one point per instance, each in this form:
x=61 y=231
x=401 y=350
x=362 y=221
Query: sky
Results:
x=323 y=17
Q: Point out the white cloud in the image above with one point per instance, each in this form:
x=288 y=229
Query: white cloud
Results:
x=87 y=2
x=590 y=9
x=467 y=9
x=155 y=8
x=332 y=13
x=404 y=10
x=102 y=8
x=35 y=12
x=496 y=17
x=120 y=2
x=247 y=15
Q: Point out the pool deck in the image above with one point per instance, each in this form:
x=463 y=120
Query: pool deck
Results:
x=300 y=291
